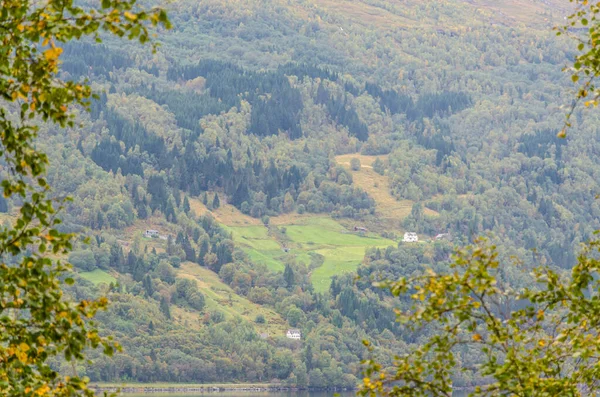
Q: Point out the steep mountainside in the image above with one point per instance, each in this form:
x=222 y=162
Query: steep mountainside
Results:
x=280 y=149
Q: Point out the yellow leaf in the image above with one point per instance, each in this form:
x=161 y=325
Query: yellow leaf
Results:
x=52 y=54
x=130 y=16
x=20 y=27
x=42 y=390
x=476 y=337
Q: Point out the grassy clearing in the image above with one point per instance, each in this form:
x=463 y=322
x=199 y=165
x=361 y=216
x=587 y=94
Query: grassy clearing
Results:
x=378 y=187
x=305 y=236
x=219 y=296
x=337 y=261
x=98 y=276
x=136 y=231
x=342 y=251
x=256 y=237
x=317 y=235
x=226 y=214
x=290 y=219
x=274 y=260
x=259 y=245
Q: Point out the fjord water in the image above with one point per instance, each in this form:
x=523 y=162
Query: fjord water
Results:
x=304 y=393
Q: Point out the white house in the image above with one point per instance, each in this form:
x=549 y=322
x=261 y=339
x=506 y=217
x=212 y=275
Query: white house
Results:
x=294 y=334
x=410 y=237
x=442 y=236
x=150 y=233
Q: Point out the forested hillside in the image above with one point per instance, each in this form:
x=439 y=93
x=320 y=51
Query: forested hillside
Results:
x=282 y=149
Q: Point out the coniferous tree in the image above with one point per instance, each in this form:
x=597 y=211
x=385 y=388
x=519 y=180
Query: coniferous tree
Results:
x=288 y=276
x=170 y=245
x=45 y=324
x=151 y=328
x=216 y=202
x=147 y=284
x=164 y=308
x=308 y=357
x=170 y=211
x=204 y=249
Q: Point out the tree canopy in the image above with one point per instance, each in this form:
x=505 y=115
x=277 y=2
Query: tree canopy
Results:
x=537 y=340
x=534 y=341
x=37 y=321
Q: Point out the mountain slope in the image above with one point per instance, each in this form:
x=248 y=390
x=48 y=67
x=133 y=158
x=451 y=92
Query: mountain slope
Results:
x=235 y=140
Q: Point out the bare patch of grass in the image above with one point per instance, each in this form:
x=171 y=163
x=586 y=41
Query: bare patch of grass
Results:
x=219 y=296
x=226 y=214
x=378 y=187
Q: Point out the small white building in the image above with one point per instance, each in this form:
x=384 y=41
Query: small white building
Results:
x=294 y=334
x=410 y=237
x=150 y=233
x=442 y=236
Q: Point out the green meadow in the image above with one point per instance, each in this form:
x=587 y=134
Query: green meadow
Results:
x=341 y=249
x=98 y=276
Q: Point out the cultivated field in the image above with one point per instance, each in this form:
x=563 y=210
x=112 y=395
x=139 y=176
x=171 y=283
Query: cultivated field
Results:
x=98 y=276
x=342 y=250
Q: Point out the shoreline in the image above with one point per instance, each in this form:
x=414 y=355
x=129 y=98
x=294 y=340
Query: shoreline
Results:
x=203 y=388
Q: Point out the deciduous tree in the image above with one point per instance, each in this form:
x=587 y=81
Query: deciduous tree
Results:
x=539 y=341
x=37 y=321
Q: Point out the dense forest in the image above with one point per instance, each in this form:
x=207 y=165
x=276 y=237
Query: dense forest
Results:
x=228 y=139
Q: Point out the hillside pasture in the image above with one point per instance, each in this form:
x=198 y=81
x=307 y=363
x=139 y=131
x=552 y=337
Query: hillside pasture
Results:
x=98 y=276
x=226 y=214
x=219 y=296
x=342 y=249
x=378 y=187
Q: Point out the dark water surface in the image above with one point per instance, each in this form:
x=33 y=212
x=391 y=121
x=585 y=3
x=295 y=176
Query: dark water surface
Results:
x=259 y=394
x=303 y=393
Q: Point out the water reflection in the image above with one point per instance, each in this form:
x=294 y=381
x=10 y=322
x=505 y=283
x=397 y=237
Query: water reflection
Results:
x=304 y=393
